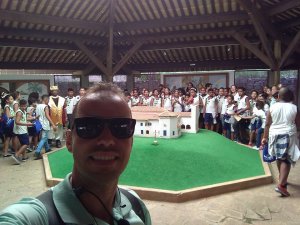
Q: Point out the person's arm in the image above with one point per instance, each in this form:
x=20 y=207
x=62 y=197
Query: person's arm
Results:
x=49 y=118
x=267 y=127
x=16 y=107
x=29 y=115
x=200 y=102
x=18 y=120
x=7 y=112
x=151 y=101
x=204 y=108
x=247 y=106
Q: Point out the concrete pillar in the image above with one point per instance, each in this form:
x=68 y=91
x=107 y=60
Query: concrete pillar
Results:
x=130 y=82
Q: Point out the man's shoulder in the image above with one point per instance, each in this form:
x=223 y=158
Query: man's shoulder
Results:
x=26 y=211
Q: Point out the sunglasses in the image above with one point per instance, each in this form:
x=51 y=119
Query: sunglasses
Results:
x=92 y=127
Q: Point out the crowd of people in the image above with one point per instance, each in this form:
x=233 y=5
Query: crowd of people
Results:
x=32 y=125
x=228 y=111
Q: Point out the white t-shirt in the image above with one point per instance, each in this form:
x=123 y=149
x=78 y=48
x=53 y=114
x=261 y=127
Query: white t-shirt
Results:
x=283 y=118
x=262 y=115
x=210 y=105
x=203 y=100
x=167 y=103
x=224 y=106
x=40 y=112
x=71 y=102
x=20 y=129
x=177 y=107
x=221 y=99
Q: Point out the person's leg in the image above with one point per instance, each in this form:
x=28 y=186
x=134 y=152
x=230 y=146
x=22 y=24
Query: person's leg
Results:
x=260 y=132
x=46 y=144
x=43 y=141
x=5 y=146
x=285 y=168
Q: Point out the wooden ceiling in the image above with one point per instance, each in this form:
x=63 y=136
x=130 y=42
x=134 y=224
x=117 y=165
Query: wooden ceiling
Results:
x=120 y=36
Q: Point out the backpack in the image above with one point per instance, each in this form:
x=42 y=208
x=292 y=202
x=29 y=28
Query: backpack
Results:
x=55 y=219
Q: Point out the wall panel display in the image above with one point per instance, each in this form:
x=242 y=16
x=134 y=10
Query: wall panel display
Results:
x=216 y=79
x=25 y=87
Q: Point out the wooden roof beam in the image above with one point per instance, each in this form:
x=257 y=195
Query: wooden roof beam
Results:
x=258 y=53
x=48 y=35
x=181 y=21
x=49 y=20
x=91 y=56
x=36 y=44
x=199 y=65
x=41 y=66
x=261 y=25
x=290 y=49
x=128 y=55
x=282 y=7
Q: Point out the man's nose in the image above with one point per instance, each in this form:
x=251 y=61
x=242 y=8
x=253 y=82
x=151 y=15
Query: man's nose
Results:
x=106 y=138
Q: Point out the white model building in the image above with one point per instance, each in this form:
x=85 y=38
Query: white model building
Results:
x=156 y=121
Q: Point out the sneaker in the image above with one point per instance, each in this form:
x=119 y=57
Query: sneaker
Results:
x=282 y=190
x=58 y=144
x=255 y=148
x=17 y=159
x=7 y=155
x=29 y=150
x=24 y=159
x=49 y=150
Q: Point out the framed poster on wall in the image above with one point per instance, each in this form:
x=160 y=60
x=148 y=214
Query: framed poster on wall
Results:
x=25 y=87
x=216 y=79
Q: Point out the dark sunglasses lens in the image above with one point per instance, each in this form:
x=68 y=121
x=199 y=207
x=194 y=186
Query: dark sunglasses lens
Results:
x=88 y=127
x=122 y=127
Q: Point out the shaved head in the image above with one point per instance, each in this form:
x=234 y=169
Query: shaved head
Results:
x=286 y=95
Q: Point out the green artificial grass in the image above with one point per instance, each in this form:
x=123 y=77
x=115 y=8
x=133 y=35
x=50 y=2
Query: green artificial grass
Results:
x=192 y=160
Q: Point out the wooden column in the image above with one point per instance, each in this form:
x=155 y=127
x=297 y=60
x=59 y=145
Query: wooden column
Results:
x=130 y=82
x=84 y=80
x=109 y=59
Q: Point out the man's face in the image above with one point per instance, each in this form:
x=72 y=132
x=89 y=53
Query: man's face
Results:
x=241 y=92
x=81 y=91
x=70 y=93
x=23 y=107
x=221 y=92
x=105 y=157
x=54 y=93
x=225 y=92
x=233 y=89
x=253 y=95
x=135 y=93
x=203 y=91
x=210 y=93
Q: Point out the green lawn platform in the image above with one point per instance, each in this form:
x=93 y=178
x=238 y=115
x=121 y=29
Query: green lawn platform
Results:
x=192 y=166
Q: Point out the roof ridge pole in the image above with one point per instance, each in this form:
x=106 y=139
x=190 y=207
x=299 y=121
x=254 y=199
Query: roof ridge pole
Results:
x=109 y=58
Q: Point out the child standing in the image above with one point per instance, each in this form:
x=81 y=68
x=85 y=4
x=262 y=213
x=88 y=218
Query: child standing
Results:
x=228 y=118
x=8 y=116
x=210 y=110
x=42 y=112
x=20 y=129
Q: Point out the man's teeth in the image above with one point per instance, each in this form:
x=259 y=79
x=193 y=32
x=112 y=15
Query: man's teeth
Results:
x=104 y=157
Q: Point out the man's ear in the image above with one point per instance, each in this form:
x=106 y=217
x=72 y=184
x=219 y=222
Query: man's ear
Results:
x=69 y=140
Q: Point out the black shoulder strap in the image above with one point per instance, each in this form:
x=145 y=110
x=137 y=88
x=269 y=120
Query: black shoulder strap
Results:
x=136 y=205
x=53 y=215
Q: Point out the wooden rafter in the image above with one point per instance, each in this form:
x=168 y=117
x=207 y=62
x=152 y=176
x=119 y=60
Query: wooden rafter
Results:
x=49 y=20
x=282 y=7
x=91 y=56
x=261 y=25
x=128 y=55
x=181 y=21
x=290 y=49
x=109 y=58
x=258 y=53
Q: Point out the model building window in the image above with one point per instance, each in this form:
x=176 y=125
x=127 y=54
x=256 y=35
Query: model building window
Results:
x=147 y=131
x=188 y=127
x=173 y=133
x=142 y=132
x=141 y=124
x=182 y=126
x=165 y=125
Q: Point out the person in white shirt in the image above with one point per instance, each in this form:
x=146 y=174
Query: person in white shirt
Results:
x=210 y=110
x=234 y=93
x=280 y=133
x=145 y=98
x=155 y=99
x=70 y=104
x=82 y=92
x=241 y=126
x=203 y=97
x=43 y=115
x=135 y=98
x=177 y=103
x=228 y=117
x=221 y=98
x=167 y=99
x=20 y=129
